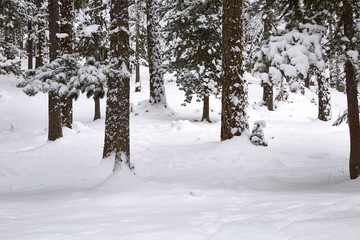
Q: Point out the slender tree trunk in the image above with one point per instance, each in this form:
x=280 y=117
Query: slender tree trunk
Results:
x=268 y=92
x=117 y=122
x=157 y=87
x=352 y=93
x=55 y=129
x=307 y=81
x=324 y=98
x=40 y=38
x=30 y=47
x=137 y=49
x=98 y=54
x=97 y=112
x=66 y=47
x=206 y=109
x=234 y=119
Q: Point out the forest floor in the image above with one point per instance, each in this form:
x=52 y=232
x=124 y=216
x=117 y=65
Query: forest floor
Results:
x=188 y=185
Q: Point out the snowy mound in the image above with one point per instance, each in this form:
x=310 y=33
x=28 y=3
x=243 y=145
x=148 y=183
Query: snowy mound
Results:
x=184 y=126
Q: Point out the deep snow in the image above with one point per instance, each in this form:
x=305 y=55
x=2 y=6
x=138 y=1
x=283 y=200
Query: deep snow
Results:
x=188 y=185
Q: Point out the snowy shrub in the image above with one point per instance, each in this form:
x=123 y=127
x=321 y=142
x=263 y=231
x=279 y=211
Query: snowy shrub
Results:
x=257 y=133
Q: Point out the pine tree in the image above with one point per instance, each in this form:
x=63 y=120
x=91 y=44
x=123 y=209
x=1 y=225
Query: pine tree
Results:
x=194 y=40
x=93 y=45
x=117 y=129
x=157 y=86
x=234 y=119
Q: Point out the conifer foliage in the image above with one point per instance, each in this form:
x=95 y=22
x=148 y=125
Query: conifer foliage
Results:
x=195 y=49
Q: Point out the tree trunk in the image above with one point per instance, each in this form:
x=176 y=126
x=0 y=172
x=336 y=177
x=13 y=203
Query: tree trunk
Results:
x=97 y=113
x=307 y=81
x=234 y=119
x=324 y=98
x=117 y=121
x=157 y=87
x=30 y=46
x=66 y=111
x=352 y=93
x=66 y=47
x=268 y=93
x=206 y=109
x=137 y=49
x=55 y=129
x=40 y=38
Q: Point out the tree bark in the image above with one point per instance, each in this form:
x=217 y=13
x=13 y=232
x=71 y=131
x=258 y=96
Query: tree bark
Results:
x=66 y=47
x=157 y=87
x=234 y=119
x=55 y=128
x=97 y=112
x=30 y=47
x=117 y=121
x=324 y=97
x=268 y=92
x=137 y=49
x=352 y=93
x=206 y=109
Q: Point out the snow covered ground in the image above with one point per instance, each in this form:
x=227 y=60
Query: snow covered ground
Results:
x=188 y=185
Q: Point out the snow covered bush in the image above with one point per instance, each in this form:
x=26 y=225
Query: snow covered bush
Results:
x=257 y=133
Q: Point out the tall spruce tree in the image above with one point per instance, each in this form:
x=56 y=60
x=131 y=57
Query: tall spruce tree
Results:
x=117 y=122
x=234 y=118
x=194 y=39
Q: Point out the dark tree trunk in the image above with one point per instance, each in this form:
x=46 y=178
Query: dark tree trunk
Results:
x=66 y=47
x=55 y=129
x=157 y=87
x=40 y=38
x=307 y=81
x=137 y=49
x=268 y=96
x=97 y=113
x=98 y=54
x=117 y=122
x=234 y=93
x=30 y=47
x=206 y=109
x=268 y=93
x=352 y=93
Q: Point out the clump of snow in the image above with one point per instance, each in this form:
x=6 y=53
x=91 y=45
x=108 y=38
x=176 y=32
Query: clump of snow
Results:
x=257 y=133
x=183 y=126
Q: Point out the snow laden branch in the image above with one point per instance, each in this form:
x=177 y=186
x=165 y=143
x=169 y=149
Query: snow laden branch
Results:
x=52 y=77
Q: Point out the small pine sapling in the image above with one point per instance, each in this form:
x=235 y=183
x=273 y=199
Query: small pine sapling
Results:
x=257 y=133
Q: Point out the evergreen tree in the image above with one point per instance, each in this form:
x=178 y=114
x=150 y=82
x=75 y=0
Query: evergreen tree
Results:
x=117 y=129
x=156 y=72
x=234 y=119
x=194 y=37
